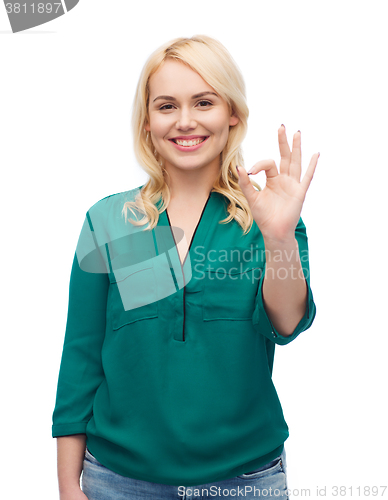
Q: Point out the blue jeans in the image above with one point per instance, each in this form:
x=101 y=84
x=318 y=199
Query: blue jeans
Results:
x=100 y=483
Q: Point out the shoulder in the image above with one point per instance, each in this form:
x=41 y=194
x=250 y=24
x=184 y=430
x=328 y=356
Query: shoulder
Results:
x=106 y=214
x=114 y=202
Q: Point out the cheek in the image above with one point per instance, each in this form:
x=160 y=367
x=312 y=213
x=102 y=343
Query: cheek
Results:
x=157 y=131
x=159 y=127
x=219 y=124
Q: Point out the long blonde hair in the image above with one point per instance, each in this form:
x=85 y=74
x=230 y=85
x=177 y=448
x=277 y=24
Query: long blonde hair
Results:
x=210 y=59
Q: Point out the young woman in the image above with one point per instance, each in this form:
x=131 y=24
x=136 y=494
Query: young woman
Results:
x=165 y=387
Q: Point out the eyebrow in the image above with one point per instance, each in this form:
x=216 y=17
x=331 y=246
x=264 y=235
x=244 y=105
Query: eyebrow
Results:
x=170 y=98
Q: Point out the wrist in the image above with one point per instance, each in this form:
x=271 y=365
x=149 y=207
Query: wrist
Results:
x=276 y=243
x=280 y=253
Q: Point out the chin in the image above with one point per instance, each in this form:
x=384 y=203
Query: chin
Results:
x=192 y=165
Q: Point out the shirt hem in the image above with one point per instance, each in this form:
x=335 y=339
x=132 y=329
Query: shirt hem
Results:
x=198 y=481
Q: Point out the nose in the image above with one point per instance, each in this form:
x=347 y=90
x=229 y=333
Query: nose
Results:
x=185 y=120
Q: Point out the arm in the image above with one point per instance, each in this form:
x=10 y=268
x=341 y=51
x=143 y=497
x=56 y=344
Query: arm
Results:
x=81 y=371
x=285 y=295
x=263 y=318
x=284 y=286
x=70 y=456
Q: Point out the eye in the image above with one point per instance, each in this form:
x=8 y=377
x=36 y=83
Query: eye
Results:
x=203 y=104
x=164 y=106
x=207 y=102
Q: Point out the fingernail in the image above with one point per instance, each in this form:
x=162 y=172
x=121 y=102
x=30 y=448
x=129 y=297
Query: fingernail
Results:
x=237 y=170
x=319 y=154
x=249 y=173
x=299 y=131
x=283 y=126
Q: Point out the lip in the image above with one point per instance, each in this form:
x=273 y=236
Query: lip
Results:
x=189 y=137
x=188 y=149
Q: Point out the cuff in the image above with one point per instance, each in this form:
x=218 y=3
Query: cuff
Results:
x=59 y=430
x=264 y=326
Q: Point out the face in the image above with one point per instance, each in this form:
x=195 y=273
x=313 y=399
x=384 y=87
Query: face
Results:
x=177 y=111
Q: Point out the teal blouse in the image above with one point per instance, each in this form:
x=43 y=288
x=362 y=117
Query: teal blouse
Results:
x=167 y=367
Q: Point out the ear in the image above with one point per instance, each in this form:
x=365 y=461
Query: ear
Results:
x=233 y=120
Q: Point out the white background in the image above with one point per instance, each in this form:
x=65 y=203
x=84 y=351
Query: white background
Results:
x=66 y=92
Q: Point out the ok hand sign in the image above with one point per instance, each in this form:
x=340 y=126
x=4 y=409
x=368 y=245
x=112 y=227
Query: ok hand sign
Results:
x=277 y=208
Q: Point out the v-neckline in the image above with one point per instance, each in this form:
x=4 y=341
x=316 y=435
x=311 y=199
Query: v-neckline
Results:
x=195 y=230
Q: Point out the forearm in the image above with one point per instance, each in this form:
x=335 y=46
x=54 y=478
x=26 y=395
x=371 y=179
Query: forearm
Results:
x=284 y=286
x=70 y=456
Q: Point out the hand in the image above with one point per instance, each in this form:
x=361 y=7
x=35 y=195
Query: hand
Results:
x=277 y=208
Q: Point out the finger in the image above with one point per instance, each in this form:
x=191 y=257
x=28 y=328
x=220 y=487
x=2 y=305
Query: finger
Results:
x=246 y=186
x=307 y=178
x=268 y=165
x=296 y=157
x=285 y=153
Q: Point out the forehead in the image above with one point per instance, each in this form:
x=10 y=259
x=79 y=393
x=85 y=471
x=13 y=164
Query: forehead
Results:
x=176 y=78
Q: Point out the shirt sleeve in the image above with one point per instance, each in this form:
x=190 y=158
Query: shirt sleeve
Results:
x=261 y=319
x=81 y=371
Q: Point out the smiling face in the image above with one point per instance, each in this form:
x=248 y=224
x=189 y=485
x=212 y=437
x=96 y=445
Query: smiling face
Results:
x=176 y=110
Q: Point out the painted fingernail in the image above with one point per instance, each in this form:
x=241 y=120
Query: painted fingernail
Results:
x=238 y=171
x=319 y=154
x=249 y=173
x=283 y=126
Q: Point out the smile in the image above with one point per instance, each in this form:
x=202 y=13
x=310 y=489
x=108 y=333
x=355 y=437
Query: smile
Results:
x=190 y=145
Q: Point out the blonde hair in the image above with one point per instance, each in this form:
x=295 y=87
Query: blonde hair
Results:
x=210 y=59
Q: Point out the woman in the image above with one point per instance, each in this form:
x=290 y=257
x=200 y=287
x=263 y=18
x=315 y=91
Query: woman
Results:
x=165 y=387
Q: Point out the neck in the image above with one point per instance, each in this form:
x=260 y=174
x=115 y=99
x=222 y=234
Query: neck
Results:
x=191 y=185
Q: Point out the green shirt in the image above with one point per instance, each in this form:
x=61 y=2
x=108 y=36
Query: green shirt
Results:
x=167 y=367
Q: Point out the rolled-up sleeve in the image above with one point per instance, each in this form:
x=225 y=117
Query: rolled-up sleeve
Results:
x=260 y=317
x=81 y=371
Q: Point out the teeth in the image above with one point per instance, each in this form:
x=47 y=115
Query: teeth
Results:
x=193 y=142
